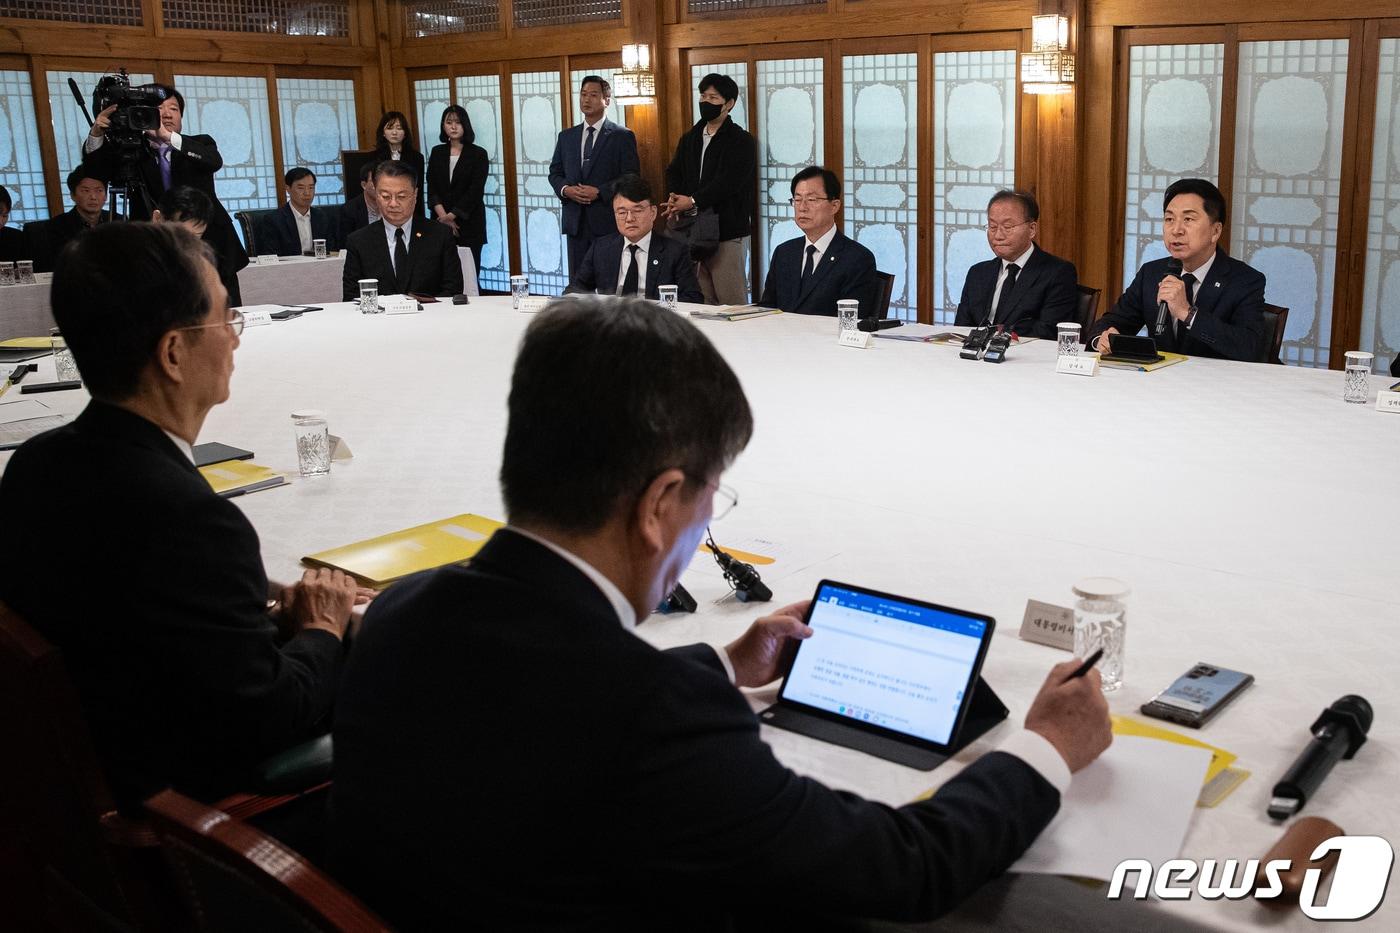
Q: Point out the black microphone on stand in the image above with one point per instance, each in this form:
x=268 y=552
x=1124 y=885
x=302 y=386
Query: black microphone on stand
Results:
x=1173 y=268
x=1338 y=733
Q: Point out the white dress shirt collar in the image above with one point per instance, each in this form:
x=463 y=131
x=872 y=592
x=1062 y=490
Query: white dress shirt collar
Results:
x=625 y=613
x=1201 y=271
x=1020 y=260
x=181 y=443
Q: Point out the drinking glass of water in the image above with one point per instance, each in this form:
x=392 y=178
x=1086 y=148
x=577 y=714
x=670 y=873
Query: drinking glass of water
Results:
x=318 y=249
x=313 y=442
x=669 y=295
x=369 y=296
x=847 y=310
x=64 y=366
x=1358 y=385
x=1069 y=338
x=519 y=289
x=1100 y=616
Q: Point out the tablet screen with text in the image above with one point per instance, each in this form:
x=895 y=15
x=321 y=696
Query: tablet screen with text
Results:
x=891 y=663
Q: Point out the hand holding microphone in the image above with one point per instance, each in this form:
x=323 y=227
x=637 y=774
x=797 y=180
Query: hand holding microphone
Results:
x=1163 y=309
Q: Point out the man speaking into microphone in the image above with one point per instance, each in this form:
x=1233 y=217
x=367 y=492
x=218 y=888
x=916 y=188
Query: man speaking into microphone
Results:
x=1197 y=301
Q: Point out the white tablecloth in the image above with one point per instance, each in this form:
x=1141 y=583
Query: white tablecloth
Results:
x=1255 y=515
x=290 y=280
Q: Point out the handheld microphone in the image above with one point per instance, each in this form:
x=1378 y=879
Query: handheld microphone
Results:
x=873 y=324
x=1338 y=733
x=1173 y=268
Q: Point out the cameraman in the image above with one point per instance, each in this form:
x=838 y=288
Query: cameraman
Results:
x=167 y=159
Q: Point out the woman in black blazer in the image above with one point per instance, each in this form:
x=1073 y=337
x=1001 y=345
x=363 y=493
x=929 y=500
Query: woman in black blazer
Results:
x=394 y=140
x=457 y=171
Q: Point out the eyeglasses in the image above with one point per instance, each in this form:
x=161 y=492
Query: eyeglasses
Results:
x=808 y=202
x=629 y=213
x=235 y=321
x=1006 y=228
x=726 y=497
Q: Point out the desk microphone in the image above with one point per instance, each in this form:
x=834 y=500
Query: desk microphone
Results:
x=748 y=585
x=872 y=324
x=1173 y=268
x=1338 y=733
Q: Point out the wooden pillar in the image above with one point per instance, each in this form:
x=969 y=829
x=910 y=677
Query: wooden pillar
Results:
x=1058 y=144
x=647 y=120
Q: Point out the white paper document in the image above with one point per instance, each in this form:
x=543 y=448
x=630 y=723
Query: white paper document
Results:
x=1135 y=801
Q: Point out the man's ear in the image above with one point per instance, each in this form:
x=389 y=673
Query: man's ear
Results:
x=171 y=358
x=657 y=510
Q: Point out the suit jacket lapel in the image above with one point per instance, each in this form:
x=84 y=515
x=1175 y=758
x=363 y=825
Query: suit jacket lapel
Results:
x=605 y=127
x=1208 y=292
x=1024 y=280
x=830 y=258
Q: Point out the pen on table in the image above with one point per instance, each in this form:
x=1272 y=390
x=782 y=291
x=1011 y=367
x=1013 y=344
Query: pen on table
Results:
x=20 y=371
x=1083 y=669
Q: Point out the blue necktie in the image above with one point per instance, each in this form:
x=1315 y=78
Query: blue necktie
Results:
x=588 y=145
x=163 y=163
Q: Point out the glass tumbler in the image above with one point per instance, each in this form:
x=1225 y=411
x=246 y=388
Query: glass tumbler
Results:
x=1100 y=616
x=7 y=273
x=318 y=249
x=369 y=296
x=1069 y=339
x=519 y=288
x=313 y=442
x=24 y=272
x=1358 y=379
x=847 y=310
x=64 y=366
x=669 y=295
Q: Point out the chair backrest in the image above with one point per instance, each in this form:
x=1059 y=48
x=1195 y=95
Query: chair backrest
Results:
x=56 y=790
x=885 y=292
x=1275 y=321
x=253 y=224
x=236 y=878
x=245 y=225
x=1087 y=309
x=40 y=244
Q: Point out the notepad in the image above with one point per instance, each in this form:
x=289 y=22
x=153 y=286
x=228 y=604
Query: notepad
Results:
x=734 y=313
x=1167 y=359
x=380 y=561
x=231 y=478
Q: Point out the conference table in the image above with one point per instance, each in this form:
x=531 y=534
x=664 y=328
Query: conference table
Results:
x=1254 y=514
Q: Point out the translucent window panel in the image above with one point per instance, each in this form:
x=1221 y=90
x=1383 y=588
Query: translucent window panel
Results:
x=565 y=12
x=234 y=110
x=1288 y=179
x=1173 y=132
x=739 y=71
x=70 y=128
x=481 y=96
x=21 y=168
x=107 y=13
x=974 y=155
x=615 y=110
x=789 y=139
x=537 y=125
x=880 y=187
x=1380 y=312
x=430 y=98
x=318 y=120
x=445 y=17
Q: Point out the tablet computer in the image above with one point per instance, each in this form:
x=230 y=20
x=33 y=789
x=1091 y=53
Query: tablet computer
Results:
x=895 y=677
x=1128 y=348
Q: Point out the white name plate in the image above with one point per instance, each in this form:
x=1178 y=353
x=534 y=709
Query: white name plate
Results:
x=400 y=304
x=1077 y=365
x=255 y=318
x=1388 y=401
x=533 y=304
x=855 y=338
x=1048 y=625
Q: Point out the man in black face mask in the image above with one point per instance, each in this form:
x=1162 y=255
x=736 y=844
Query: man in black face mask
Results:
x=714 y=169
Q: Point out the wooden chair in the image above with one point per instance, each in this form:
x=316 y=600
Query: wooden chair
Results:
x=884 y=294
x=1087 y=310
x=1275 y=321
x=95 y=869
x=251 y=223
x=235 y=878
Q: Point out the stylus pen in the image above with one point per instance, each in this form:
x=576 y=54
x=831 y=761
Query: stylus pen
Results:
x=1083 y=669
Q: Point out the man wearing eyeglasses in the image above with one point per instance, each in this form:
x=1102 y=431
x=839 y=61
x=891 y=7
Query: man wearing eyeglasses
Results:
x=406 y=254
x=636 y=260
x=151 y=584
x=510 y=755
x=1024 y=289
x=809 y=274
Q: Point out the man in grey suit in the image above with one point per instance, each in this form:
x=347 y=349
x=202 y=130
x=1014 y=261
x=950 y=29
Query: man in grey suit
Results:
x=588 y=158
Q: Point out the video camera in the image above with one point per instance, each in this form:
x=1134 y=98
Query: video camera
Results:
x=138 y=107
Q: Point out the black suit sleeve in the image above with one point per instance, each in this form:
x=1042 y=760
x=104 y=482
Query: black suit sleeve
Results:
x=437 y=177
x=1239 y=337
x=829 y=851
x=201 y=151
x=474 y=196
x=585 y=278
x=967 y=315
x=688 y=286
x=351 y=273
x=1061 y=303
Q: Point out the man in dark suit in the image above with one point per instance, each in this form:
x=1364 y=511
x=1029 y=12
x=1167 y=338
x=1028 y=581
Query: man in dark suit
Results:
x=713 y=169
x=1215 y=304
x=408 y=255
x=636 y=260
x=14 y=245
x=193 y=209
x=363 y=209
x=150 y=583
x=810 y=273
x=169 y=159
x=1024 y=289
x=298 y=223
x=622 y=787
x=588 y=159
x=89 y=195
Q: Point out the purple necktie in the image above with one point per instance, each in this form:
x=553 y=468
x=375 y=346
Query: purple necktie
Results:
x=163 y=160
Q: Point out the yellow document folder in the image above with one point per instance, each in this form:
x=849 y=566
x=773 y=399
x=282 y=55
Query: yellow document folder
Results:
x=1167 y=359
x=377 y=562
x=237 y=477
